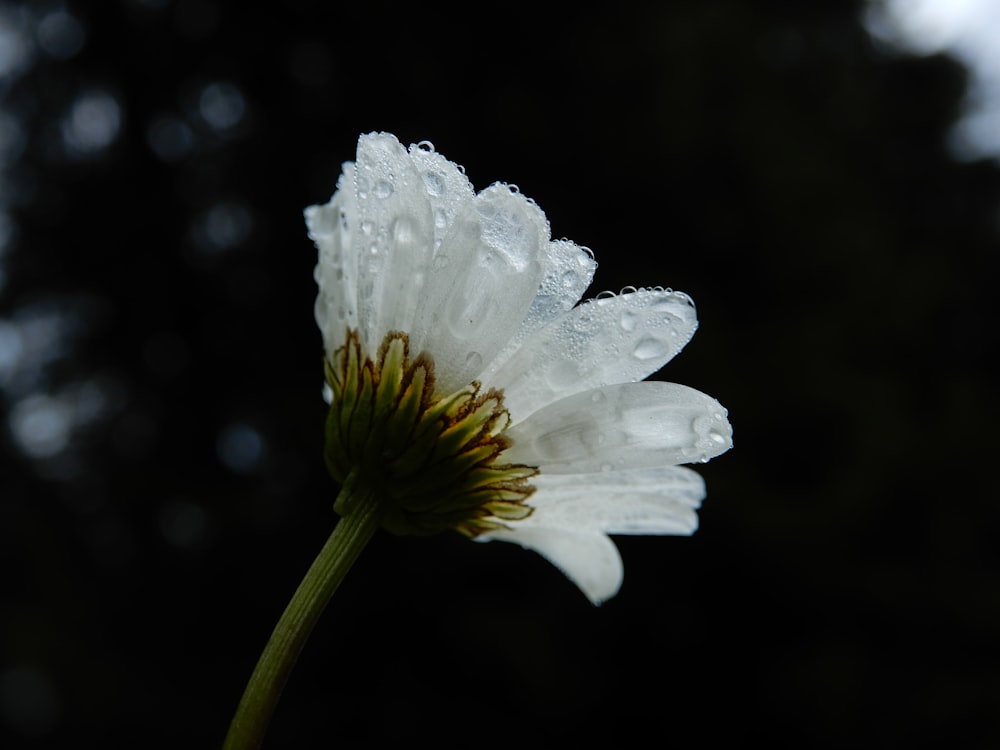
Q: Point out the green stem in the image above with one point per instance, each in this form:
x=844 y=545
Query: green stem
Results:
x=349 y=537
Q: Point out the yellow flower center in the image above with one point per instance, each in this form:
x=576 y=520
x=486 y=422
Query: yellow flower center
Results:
x=434 y=461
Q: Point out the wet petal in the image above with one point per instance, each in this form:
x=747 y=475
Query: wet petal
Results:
x=447 y=187
x=609 y=340
x=393 y=238
x=330 y=227
x=482 y=281
x=624 y=426
x=568 y=271
x=588 y=558
x=660 y=500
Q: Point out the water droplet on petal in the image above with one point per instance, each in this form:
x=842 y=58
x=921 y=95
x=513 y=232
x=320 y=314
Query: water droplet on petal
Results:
x=440 y=219
x=383 y=189
x=701 y=425
x=474 y=360
x=405 y=232
x=434 y=183
x=426 y=146
x=629 y=320
x=716 y=437
x=649 y=348
x=367 y=226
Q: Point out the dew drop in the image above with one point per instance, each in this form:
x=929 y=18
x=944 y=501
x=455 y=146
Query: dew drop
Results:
x=474 y=360
x=569 y=279
x=650 y=348
x=629 y=320
x=383 y=189
x=561 y=374
x=405 y=233
x=434 y=183
x=628 y=290
x=426 y=147
x=716 y=437
x=440 y=219
x=701 y=425
x=367 y=226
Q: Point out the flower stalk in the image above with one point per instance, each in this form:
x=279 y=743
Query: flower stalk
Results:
x=335 y=559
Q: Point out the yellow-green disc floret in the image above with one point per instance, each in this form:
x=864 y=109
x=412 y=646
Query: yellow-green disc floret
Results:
x=435 y=461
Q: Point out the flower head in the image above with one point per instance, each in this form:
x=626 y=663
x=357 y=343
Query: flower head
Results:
x=470 y=391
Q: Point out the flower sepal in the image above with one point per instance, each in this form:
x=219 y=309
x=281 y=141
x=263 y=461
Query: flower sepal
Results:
x=430 y=460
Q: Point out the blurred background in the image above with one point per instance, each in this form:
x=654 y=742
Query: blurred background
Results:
x=820 y=177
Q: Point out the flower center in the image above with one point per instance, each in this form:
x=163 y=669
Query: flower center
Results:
x=435 y=461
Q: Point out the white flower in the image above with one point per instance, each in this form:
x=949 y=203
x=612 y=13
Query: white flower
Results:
x=472 y=392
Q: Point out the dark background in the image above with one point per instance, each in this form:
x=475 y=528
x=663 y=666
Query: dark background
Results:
x=163 y=365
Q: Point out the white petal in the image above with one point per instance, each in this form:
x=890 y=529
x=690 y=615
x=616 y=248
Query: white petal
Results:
x=624 y=426
x=568 y=271
x=608 y=340
x=394 y=237
x=481 y=284
x=661 y=500
x=447 y=187
x=330 y=227
x=588 y=558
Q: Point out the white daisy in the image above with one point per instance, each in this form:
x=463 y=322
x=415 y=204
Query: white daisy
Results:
x=468 y=389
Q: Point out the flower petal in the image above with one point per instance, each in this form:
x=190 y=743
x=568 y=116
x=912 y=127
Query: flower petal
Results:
x=568 y=271
x=608 y=340
x=394 y=238
x=336 y=269
x=624 y=426
x=481 y=284
x=588 y=558
x=660 y=500
x=448 y=189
